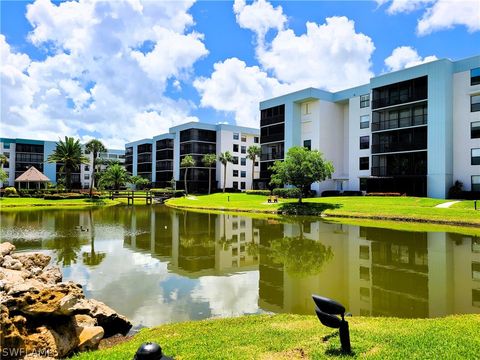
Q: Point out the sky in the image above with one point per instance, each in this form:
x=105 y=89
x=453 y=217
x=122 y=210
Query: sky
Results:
x=121 y=71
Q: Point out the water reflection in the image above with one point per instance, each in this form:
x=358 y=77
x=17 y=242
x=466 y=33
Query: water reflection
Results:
x=160 y=265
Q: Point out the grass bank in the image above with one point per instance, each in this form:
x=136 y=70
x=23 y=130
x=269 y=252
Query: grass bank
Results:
x=19 y=204
x=303 y=337
x=367 y=207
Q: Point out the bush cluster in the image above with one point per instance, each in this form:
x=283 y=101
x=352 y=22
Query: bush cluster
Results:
x=287 y=192
x=258 y=192
x=385 y=194
x=168 y=191
x=9 y=191
x=64 y=196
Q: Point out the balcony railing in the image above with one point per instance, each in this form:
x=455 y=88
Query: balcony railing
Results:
x=267 y=157
x=400 y=123
x=394 y=147
x=419 y=94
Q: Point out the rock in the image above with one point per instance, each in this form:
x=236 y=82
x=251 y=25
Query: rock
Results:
x=11 y=263
x=50 y=275
x=30 y=259
x=112 y=322
x=11 y=337
x=35 y=270
x=82 y=320
x=6 y=248
x=55 y=342
x=89 y=338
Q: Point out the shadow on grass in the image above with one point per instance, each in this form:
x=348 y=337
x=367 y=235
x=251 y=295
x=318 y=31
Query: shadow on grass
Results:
x=308 y=208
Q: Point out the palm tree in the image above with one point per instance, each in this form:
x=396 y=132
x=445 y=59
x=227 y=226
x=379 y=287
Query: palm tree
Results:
x=187 y=162
x=69 y=154
x=253 y=152
x=225 y=158
x=95 y=147
x=115 y=176
x=208 y=160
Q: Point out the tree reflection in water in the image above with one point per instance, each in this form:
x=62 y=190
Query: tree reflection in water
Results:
x=92 y=258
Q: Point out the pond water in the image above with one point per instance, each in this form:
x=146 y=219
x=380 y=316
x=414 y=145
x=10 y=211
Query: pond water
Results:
x=158 y=265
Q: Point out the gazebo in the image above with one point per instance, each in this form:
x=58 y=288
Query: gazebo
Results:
x=32 y=175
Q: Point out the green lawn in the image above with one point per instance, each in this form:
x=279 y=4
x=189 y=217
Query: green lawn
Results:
x=13 y=204
x=386 y=208
x=303 y=337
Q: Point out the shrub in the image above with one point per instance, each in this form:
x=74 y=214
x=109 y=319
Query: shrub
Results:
x=385 y=194
x=12 y=195
x=231 y=190
x=258 y=192
x=455 y=192
x=168 y=191
x=328 y=193
x=287 y=192
x=10 y=190
x=352 y=193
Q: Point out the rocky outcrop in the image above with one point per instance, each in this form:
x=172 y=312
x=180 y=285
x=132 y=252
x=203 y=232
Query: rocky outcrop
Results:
x=40 y=315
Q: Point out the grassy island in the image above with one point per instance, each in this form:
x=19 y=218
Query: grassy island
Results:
x=303 y=337
x=365 y=207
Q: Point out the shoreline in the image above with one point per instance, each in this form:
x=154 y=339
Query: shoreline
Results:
x=327 y=216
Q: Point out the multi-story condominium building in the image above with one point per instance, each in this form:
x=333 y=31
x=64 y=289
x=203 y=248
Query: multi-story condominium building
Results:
x=158 y=159
x=24 y=153
x=413 y=131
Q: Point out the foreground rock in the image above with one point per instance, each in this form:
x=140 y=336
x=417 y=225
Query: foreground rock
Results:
x=41 y=316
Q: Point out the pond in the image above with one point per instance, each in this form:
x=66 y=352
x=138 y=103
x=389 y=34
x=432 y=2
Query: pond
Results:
x=158 y=265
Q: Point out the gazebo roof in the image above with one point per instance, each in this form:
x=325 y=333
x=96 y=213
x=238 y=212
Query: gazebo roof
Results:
x=32 y=175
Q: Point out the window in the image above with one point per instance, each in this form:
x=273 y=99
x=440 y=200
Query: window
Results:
x=364 y=163
x=307 y=144
x=364 y=121
x=244 y=149
x=236 y=136
x=87 y=168
x=476 y=297
x=256 y=139
x=365 y=100
x=364 y=252
x=474 y=103
x=243 y=185
x=307 y=109
x=235 y=173
x=475 y=130
x=6 y=145
x=235 y=184
x=235 y=160
x=363 y=184
x=244 y=138
x=235 y=147
x=476 y=156
x=243 y=161
x=475 y=76
x=476 y=183
x=475 y=271
x=364 y=273
x=243 y=174
x=364 y=142
x=86 y=176
x=256 y=163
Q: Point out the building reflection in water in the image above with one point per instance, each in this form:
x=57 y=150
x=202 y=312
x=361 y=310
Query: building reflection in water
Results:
x=373 y=271
x=226 y=265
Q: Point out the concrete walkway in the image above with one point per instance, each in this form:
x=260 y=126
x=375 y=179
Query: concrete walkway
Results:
x=447 y=204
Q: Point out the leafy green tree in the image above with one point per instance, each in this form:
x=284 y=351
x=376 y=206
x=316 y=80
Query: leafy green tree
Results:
x=225 y=158
x=253 y=152
x=3 y=173
x=301 y=168
x=114 y=176
x=69 y=154
x=95 y=147
x=187 y=162
x=209 y=160
x=139 y=182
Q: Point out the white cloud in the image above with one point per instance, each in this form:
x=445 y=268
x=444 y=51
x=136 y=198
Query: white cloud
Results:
x=260 y=16
x=439 y=14
x=331 y=56
x=106 y=72
x=405 y=56
x=236 y=87
x=229 y=296
x=445 y=14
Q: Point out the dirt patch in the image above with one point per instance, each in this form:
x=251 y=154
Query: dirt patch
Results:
x=113 y=341
x=291 y=354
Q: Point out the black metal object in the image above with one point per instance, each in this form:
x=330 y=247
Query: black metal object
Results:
x=327 y=311
x=150 y=351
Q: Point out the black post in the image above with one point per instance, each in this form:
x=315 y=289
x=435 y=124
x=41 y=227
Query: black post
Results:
x=345 y=337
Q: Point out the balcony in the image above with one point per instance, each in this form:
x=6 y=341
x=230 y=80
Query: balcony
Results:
x=271 y=157
x=400 y=123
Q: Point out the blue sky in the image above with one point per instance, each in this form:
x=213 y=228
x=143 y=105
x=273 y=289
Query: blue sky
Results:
x=123 y=71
